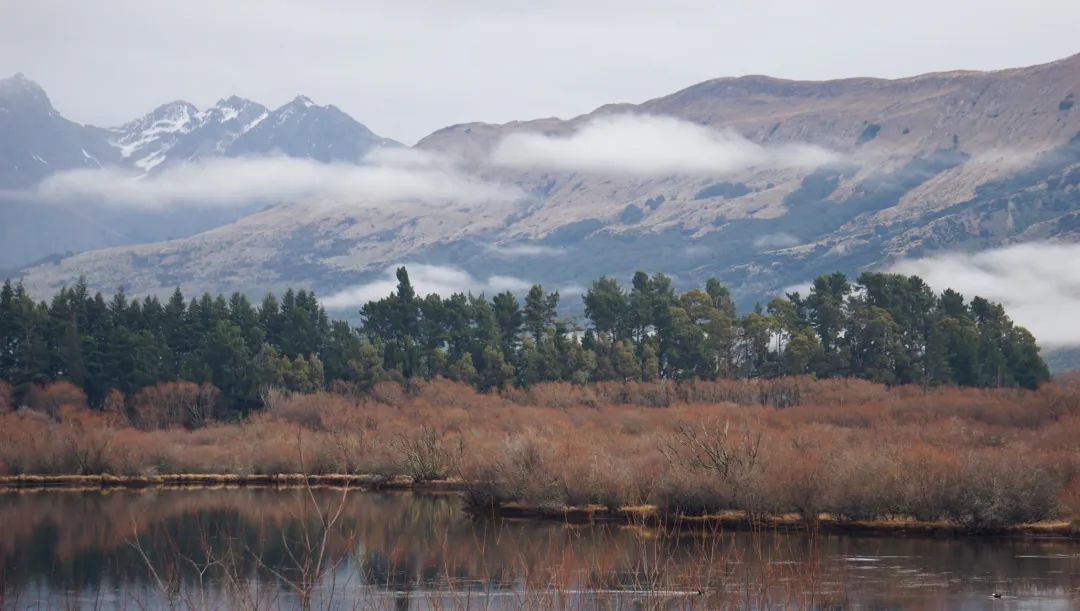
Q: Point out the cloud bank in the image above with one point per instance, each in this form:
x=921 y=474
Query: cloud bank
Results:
x=526 y=250
x=650 y=145
x=426 y=279
x=387 y=176
x=770 y=241
x=1038 y=283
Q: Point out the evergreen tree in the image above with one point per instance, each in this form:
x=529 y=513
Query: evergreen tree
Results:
x=540 y=311
x=886 y=328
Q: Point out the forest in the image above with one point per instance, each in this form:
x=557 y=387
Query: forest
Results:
x=883 y=328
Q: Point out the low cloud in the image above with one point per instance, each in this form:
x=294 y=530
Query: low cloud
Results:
x=1038 y=283
x=388 y=176
x=525 y=250
x=651 y=145
x=697 y=250
x=770 y=241
x=803 y=289
x=426 y=279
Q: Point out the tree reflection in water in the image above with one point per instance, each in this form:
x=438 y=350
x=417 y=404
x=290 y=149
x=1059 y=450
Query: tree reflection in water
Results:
x=262 y=548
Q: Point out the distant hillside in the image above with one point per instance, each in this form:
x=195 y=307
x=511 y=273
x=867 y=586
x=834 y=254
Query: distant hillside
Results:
x=852 y=174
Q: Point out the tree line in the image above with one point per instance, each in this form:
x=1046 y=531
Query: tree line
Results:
x=884 y=327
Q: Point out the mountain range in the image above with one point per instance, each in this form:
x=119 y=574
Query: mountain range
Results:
x=37 y=142
x=762 y=182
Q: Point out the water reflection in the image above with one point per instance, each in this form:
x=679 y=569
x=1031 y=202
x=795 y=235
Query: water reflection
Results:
x=271 y=549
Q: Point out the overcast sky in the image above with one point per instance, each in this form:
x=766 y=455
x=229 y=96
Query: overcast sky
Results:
x=408 y=67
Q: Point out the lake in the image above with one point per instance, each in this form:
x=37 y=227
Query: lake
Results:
x=265 y=548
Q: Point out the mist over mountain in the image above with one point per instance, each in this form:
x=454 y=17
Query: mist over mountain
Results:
x=761 y=182
x=37 y=143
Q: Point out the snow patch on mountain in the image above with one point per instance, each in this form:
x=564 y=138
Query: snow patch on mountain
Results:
x=234 y=127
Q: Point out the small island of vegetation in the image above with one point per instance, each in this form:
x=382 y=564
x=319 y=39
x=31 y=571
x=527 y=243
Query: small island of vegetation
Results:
x=874 y=402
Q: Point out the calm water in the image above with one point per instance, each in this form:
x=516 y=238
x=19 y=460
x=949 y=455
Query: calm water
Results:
x=231 y=549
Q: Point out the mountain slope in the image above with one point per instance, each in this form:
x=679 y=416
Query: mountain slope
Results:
x=178 y=132
x=304 y=129
x=918 y=165
x=36 y=143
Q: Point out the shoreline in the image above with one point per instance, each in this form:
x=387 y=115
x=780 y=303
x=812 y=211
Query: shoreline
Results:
x=739 y=521
x=641 y=516
x=217 y=480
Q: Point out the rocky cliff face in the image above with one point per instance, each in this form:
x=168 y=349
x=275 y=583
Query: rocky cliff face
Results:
x=842 y=175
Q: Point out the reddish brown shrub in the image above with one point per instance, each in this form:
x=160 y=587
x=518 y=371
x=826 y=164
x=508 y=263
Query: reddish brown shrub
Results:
x=1070 y=500
x=5 y=396
x=115 y=407
x=553 y=394
x=52 y=397
x=304 y=410
x=849 y=449
x=172 y=404
x=388 y=392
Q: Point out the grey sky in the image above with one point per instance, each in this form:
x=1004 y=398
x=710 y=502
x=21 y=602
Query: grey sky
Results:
x=408 y=67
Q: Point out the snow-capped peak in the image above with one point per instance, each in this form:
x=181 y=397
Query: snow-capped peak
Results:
x=304 y=101
x=181 y=130
x=143 y=140
x=232 y=107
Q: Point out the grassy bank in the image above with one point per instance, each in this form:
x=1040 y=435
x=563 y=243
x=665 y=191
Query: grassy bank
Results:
x=972 y=460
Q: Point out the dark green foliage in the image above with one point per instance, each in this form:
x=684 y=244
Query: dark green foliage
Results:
x=868 y=134
x=654 y=202
x=128 y=345
x=886 y=328
x=723 y=190
x=631 y=215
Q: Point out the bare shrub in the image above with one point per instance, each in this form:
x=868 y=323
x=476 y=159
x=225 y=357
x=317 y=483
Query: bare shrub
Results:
x=1069 y=500
x=661 y=393
x=23 y=438
x=424 y=457
x=733 y=456
x=484 y=491
x=51 y=398
x=849 y=449
x=864 y=485
x=303 y=410
x=796 y=479
x=175 y=404
x=1002 y=490
x=520 y=470
x=389 y=393
x=599 y=479
x=83 y=446
x=559 y=395
x=931 y=483
x=115 y=406
x=444 y=393
x=525 y=470
x=691 y=494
